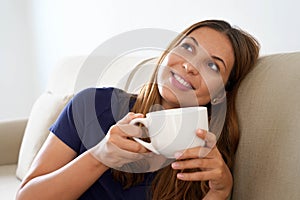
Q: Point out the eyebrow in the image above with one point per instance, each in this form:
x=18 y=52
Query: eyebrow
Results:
x=220 y=59
x=195 y=41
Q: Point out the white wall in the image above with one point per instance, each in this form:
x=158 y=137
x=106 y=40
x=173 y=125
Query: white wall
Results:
x=17 y=64
x=57 y=28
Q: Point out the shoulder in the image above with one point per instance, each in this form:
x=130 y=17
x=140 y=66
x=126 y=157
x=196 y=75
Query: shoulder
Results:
x=91 y=97
x=94 y=101
x=103 y=94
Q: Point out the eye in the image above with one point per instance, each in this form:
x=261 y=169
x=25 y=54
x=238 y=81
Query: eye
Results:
x=187 y=47
x=213 y=66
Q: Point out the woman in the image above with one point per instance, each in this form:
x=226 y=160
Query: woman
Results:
x=67 y=168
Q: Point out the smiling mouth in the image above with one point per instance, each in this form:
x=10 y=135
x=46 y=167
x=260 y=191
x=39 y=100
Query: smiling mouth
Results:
x=180 y=83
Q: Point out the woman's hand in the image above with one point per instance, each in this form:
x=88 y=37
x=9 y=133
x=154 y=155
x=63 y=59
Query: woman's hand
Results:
x=211 y=167
x=117 y=148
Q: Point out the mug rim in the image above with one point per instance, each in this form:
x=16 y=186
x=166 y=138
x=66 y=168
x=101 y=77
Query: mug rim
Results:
x=177 y=110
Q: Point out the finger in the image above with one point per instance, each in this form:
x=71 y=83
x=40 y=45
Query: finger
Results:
x=127 y=144
x=197 y=152
x=132 y=130
x=209 y=138
x=197 y=163
x=201 y=133
x=120 y=139
x=196 y=176
x=127 y=130
x=130 y=116
x=120 y=156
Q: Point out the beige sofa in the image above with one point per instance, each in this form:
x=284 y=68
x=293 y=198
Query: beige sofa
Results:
x=267 y=162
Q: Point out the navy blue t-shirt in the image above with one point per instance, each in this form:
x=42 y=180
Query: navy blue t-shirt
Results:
x=84 y=122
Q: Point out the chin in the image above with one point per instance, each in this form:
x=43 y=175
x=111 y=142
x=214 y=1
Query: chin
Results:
x=175 y=100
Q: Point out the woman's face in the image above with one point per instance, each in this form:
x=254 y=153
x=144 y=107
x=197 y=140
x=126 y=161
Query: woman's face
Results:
x=196 y=70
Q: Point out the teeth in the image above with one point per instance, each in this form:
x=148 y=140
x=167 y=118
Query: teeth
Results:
x=182 y=81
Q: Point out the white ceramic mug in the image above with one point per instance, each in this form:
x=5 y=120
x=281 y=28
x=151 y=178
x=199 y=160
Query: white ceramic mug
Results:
x=173 y=130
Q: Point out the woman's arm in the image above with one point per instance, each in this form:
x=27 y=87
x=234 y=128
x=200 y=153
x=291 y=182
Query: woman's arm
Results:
x=55 y=174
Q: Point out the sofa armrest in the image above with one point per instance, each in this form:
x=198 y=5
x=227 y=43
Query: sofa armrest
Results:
x=11 y=134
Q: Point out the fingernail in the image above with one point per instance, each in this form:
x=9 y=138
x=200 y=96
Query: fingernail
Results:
x=178 y=155
x=200 y=131
x=179 y=175
x=175 y=165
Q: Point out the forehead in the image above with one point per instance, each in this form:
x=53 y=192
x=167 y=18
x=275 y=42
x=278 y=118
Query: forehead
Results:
x=215 y=43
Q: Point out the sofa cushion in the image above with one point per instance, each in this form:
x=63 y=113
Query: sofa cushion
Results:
x=44 y=112
x=9 y=184
x=11 y=134
x=267 y=160
x=63 y=78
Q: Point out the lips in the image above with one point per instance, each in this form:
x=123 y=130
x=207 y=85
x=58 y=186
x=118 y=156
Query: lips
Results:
x=180 y=83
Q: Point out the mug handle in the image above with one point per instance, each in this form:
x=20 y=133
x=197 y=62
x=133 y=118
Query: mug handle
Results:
x=147 y=145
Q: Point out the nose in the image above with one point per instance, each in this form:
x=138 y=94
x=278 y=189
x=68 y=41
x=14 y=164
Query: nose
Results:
x=189 y=68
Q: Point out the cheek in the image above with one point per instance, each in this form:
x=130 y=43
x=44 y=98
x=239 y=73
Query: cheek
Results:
x=164 y=86
x=213 y=83
x=171 y=59
x=209 y=89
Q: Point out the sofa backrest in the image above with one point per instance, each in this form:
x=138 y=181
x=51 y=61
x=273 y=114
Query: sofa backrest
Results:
x=72 y=74
x=268 y=103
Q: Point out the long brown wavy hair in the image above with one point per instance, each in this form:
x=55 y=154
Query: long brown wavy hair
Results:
x=246 y=52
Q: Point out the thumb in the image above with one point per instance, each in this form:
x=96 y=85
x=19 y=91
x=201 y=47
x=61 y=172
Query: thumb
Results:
x=130 y=116
x=132 y=130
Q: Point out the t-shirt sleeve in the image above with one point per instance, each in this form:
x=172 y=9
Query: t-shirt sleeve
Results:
x=71 y=124
x=89 y=115
x=64 y=127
